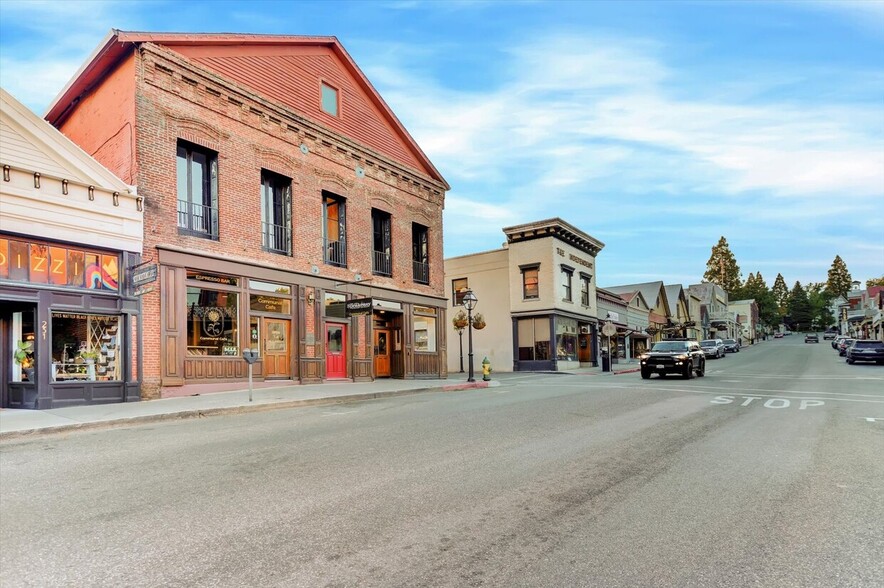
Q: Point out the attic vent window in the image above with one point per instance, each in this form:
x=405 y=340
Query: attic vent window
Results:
x=330 y=99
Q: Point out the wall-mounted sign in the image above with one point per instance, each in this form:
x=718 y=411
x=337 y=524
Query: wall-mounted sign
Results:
x=358 y=306
x=212 y=278
x=261 y=303
x=59 y=266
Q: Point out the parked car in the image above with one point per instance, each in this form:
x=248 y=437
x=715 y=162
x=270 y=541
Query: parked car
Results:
x=862 y=350
x=777 y=335
x=837 y=340
x=843 y=345
x=731 y=345
x=674 y=356
x=712 y=348
x=811 y=338
x=829 y=335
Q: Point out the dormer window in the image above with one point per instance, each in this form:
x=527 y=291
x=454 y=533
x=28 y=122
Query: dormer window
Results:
x=329 y=99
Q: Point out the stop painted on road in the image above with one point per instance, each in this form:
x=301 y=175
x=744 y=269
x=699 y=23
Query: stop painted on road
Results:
x=802 y=404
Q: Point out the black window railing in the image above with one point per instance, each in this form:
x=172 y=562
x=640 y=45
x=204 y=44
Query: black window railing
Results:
x=336 y=253
x=277 y=238
x=198 y=218
x=421 y=272
x=382 y=264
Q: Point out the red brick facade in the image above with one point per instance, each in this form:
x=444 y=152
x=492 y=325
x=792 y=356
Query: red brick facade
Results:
x=172 y=99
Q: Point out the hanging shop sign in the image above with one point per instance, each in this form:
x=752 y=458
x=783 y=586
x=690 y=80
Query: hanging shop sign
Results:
x=144 y=275
x=358 y=306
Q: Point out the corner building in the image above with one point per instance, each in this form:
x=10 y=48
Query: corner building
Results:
x=287 y=208
x=537 y=296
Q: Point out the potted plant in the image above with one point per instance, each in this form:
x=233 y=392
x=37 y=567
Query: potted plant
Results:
x=23 y=355
x=90 y=356
x=460 y=320
x=478 y=321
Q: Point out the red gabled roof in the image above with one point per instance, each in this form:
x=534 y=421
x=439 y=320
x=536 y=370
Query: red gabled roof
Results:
x=286 y=69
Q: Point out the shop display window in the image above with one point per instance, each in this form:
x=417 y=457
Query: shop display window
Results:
x=86 y=347
x=23 y=353
x=212 y=326
x=566 y=339
x=534 y=339
x=425 y=334
x=335 y=305
x=59 y=266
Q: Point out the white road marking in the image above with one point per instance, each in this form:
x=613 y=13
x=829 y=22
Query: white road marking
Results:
x=873 y=419
x=325 y=414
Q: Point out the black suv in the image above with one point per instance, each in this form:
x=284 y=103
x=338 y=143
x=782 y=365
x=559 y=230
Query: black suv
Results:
x=674 y=356
x=866 y=350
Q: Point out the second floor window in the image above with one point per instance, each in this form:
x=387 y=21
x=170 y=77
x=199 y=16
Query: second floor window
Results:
x=335 y=229
x=276 y=213
x=459 y=287
x=197 y=171
x=530 y=282
x=420 y=253
x=382 y=259
x=567 y=275
x=584 y=288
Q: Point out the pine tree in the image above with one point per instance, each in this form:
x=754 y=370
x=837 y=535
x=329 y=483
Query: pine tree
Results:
x=800 y=311
x=839 y=280
x=768 y=309
x=875 y=282
x=781 y=293
x=722 y=268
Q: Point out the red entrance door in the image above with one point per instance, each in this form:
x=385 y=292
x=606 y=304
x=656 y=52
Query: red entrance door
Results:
x=335 y=351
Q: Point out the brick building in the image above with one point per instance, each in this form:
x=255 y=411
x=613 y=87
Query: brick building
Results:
x=286 y=207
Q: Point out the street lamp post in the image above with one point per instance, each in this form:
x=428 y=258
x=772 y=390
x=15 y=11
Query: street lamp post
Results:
x=460 y=336
x=470 y=301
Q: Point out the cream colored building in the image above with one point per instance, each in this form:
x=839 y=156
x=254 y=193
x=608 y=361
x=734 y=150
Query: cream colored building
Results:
x=70 y=239
x=537 y=296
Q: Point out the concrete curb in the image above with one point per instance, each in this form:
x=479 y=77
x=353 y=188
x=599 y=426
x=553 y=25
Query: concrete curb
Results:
x=238 y=409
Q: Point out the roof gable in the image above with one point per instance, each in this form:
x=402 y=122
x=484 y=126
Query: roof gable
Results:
x=285 y=69
x=653 y=292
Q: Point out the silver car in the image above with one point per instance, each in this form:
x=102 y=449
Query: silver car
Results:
x=712 y=348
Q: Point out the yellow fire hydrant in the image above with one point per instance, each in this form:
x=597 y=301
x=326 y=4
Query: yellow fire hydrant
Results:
x=486 y=370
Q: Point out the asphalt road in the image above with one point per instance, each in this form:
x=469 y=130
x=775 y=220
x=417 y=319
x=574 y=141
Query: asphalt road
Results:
x=769 y=471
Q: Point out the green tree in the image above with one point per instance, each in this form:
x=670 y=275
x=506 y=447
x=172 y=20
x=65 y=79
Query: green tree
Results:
x=875 y=282
x=722 y=268
x=799 y=309
x=820 y=298
x=768 y=309
x=780 y=293
x=839 y=280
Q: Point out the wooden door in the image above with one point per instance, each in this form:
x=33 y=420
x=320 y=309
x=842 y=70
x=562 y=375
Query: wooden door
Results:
x=336 y=351
x=277 y=354
x=584 y=348
x=382 y=353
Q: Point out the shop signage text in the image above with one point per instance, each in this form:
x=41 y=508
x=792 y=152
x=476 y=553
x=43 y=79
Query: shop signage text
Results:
x=359 y=306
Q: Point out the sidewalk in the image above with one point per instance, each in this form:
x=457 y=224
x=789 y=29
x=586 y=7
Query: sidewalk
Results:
x=17 y=423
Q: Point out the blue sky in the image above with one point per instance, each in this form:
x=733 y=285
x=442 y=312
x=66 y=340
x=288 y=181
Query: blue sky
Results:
x=655 y=127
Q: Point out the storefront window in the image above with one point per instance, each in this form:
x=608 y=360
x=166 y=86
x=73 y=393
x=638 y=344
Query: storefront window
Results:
x=59 y=266
x=212 y=323
x=23 y=352
x=86 y=347
x=262 y=303
x=335 y=305
x=534 y=339
x=425 y=334
x=566 y=339
x=269 y=287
